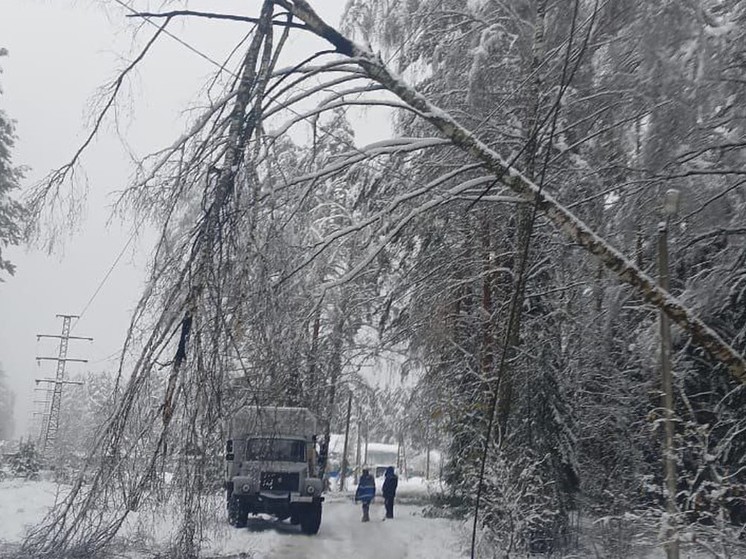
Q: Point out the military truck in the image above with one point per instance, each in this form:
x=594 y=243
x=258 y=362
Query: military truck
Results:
x=271 y=466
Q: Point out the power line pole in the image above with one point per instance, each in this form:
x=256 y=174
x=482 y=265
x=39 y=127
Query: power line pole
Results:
x=51 y=418
x=357 y=450
x=343 y=472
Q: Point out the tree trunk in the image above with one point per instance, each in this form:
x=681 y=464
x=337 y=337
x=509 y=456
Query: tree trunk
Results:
x=314 y=388
x=343 y=470
x=335 y=366
x=523 y=225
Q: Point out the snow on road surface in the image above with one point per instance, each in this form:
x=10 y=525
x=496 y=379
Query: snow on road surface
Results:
x=342 y=535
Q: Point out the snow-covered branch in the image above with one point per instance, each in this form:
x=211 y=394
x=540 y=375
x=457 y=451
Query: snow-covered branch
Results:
x=563 y=219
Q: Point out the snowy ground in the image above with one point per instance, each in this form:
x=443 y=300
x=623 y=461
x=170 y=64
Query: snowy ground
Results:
x=408 y=536
x=23 y=503
x=342 y=534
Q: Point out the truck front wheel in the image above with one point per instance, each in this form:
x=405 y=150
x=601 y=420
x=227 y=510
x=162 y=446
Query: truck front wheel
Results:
x=238 y=511
x=310 y=519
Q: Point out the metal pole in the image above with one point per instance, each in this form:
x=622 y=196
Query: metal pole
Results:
x=50 y=424
x=672 y=544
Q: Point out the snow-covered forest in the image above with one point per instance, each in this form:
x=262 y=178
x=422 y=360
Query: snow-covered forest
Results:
x=559 y=215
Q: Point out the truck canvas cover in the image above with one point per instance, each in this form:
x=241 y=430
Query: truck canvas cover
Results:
x=273 y=421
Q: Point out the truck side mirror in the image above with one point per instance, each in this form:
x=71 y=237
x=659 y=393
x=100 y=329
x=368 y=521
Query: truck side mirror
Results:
x=229 y=455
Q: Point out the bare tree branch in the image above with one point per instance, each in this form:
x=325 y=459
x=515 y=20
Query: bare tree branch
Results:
x=55 y=180
x=212 y=15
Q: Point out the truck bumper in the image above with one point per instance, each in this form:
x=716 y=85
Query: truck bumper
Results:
x=306 y=499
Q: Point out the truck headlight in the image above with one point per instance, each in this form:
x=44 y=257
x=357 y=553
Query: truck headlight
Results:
x=310 y=490
x=246 y=488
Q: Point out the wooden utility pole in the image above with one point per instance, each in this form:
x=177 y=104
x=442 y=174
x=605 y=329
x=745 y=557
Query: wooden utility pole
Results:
x=357 y=451
x=51 y=415
x=427 y=449
x=365 y=457
x=343 y=472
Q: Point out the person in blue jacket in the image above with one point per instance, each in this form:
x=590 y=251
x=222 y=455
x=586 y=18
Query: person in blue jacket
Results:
x=389 y=490
x=366 y=490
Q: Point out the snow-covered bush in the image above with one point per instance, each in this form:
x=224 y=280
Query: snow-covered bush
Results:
x=27 y=462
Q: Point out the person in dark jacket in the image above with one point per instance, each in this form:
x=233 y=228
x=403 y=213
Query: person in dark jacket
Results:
x=389 y=491
x=366 y=490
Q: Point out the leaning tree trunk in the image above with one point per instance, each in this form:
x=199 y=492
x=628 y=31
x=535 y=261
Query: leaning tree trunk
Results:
x=563 y=218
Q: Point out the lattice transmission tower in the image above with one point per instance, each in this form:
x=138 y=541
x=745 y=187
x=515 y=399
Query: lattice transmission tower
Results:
x=50 y=417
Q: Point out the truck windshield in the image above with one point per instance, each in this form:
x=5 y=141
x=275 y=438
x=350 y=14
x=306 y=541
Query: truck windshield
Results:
x=276 y=450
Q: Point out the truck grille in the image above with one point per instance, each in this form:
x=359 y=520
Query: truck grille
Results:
x=279 y=481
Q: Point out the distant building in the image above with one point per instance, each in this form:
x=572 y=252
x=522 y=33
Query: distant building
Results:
x=379 y=455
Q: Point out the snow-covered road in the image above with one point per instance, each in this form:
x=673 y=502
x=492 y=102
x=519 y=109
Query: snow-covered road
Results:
x=343 y=535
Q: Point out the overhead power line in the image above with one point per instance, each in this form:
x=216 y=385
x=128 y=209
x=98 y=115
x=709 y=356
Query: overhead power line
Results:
x=106 y=277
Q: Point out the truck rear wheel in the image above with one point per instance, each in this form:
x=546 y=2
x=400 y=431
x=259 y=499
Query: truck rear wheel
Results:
x=238 y=511
x=310 y=519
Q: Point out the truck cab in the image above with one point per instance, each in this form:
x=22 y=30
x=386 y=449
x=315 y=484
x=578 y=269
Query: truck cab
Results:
x=271 y=467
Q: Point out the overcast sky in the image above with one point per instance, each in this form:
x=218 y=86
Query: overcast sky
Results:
x=60 y=52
